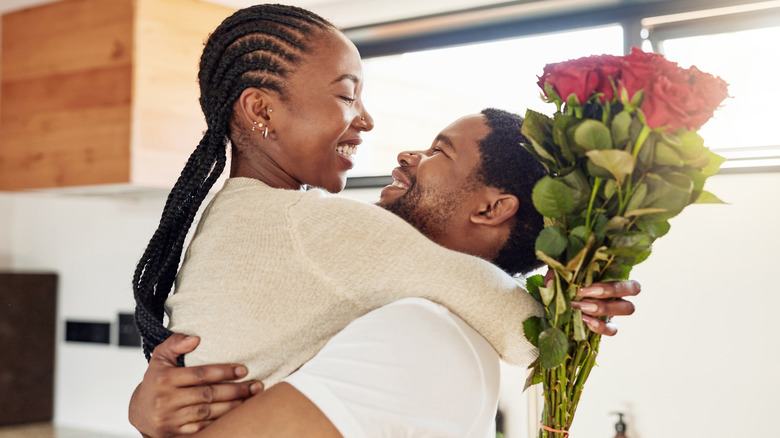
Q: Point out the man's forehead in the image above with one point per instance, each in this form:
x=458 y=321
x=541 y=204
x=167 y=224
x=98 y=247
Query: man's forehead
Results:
x=464 y=132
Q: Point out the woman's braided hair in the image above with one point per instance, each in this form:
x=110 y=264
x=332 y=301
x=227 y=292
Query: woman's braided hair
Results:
x=255 y=47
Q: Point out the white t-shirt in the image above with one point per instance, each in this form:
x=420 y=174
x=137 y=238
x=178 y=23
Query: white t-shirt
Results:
x=408 y=369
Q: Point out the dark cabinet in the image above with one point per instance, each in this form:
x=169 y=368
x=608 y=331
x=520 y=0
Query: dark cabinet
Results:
x=28 y=313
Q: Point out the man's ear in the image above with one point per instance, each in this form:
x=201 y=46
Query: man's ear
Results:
x=253 y=105
x=496 y=209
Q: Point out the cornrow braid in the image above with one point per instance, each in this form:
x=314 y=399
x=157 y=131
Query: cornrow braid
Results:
x=255 y=47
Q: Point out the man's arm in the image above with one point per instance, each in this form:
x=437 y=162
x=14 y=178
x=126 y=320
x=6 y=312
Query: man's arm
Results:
x=172 y=400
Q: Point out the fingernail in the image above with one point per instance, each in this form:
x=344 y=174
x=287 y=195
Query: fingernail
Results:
x=591 y=291
x=584 y=306
x=189 y=428
x=255 y=389
x=240 y=371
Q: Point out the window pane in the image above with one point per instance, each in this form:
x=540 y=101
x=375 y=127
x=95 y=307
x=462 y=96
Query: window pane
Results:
x=414 y=95
x=747 y=60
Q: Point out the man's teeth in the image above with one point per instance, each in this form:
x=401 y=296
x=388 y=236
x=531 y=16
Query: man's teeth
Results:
x=397 y=183
x=346 y=150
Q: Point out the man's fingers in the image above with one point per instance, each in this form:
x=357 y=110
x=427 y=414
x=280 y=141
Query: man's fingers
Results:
x=599 y=326
x=593 y=307
x=611 y=289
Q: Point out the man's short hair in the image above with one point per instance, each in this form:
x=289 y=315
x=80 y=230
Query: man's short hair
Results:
x=507 y=166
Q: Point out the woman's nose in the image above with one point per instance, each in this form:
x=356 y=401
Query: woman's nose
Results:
x=365 y=121
x=408 y=158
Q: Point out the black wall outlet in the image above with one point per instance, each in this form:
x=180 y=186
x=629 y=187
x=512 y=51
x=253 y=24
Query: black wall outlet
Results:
x=88 y=331
x=128 y=333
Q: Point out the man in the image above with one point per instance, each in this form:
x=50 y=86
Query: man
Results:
x=470 y=192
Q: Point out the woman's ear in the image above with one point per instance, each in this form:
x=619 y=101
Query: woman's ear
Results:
x=253 y=106
x=496 y=209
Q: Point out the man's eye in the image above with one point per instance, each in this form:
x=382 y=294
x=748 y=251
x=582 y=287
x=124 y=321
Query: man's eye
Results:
x=436 y=150
x=348 y=99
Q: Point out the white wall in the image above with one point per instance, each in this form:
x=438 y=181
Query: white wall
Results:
x=93 y=244
x=693 y=361
x=698 y=358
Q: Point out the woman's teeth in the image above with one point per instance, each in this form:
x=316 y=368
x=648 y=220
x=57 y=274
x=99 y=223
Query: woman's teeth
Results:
x=346 y=150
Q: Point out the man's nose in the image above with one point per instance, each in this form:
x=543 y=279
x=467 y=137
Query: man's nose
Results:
x=409 y=158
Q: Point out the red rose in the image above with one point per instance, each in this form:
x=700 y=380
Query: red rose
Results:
x=582 y=77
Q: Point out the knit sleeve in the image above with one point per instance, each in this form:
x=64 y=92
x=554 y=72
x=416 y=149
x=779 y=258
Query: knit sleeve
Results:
x=375 y=258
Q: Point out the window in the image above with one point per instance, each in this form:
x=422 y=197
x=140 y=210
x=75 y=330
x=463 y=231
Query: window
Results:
x=414 y=95
x=743 y=129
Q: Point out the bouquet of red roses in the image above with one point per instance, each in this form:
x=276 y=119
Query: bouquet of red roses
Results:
x=623 y=157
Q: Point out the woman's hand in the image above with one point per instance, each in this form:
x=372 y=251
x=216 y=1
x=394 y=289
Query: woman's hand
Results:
x=604 y=299
x=173 y=400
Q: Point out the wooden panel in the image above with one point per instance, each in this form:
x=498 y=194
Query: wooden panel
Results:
x=28 y=304
x=66 y=36
x=65 y=111
x=168 y=50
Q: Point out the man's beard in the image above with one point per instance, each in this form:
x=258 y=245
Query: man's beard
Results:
x=425 y=208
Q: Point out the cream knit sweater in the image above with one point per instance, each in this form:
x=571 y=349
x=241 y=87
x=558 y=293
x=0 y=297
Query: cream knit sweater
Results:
x=271 y=275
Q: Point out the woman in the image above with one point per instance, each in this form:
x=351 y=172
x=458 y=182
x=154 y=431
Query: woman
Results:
x=269 y=260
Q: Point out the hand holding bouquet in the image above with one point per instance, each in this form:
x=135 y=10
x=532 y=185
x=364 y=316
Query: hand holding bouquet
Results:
x=623 y=157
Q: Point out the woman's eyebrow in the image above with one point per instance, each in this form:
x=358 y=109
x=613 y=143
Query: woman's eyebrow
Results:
x=347 y=76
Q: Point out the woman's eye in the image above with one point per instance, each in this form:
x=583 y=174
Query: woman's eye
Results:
x=348 y=99
x=436 y=150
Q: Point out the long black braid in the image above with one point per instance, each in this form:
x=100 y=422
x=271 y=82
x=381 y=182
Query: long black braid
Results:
x=255 y=47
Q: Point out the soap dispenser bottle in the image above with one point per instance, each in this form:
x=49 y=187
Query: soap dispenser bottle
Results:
x=620 y=426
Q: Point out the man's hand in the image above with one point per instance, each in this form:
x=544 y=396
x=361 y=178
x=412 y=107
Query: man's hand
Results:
x=606 y=299
x=603 y=299
x=172 y=400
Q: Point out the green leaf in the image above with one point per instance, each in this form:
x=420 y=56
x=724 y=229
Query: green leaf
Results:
x=620 y=124
x=532 y=327
x=552 y=348
x=592 y=135
x=629 y=244
x=561 y=304
x=578 y=326
x=548 y=293
x=619 y=163
x=580 y=188
x=532 y=285
x=552 y=198
x=616 y=223
x=654 y=229
x=714 y=165
x=706 y=197
x=551 y=241
x=535 y=376
x=670 y=191
x=561 y=125
x=666 y=155
x=637 y=198
x=537 y=128
x=578 y=236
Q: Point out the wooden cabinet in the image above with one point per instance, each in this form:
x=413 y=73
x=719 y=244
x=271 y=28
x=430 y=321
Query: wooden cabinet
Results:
x=97 y=92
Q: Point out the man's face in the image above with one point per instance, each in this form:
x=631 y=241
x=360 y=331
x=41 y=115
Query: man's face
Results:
x=431 y=189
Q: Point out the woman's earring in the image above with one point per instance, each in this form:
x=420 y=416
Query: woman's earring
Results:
x=265 y=132
x=257 y=125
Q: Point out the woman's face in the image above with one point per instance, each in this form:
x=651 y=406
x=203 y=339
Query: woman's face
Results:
x=316 y=126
